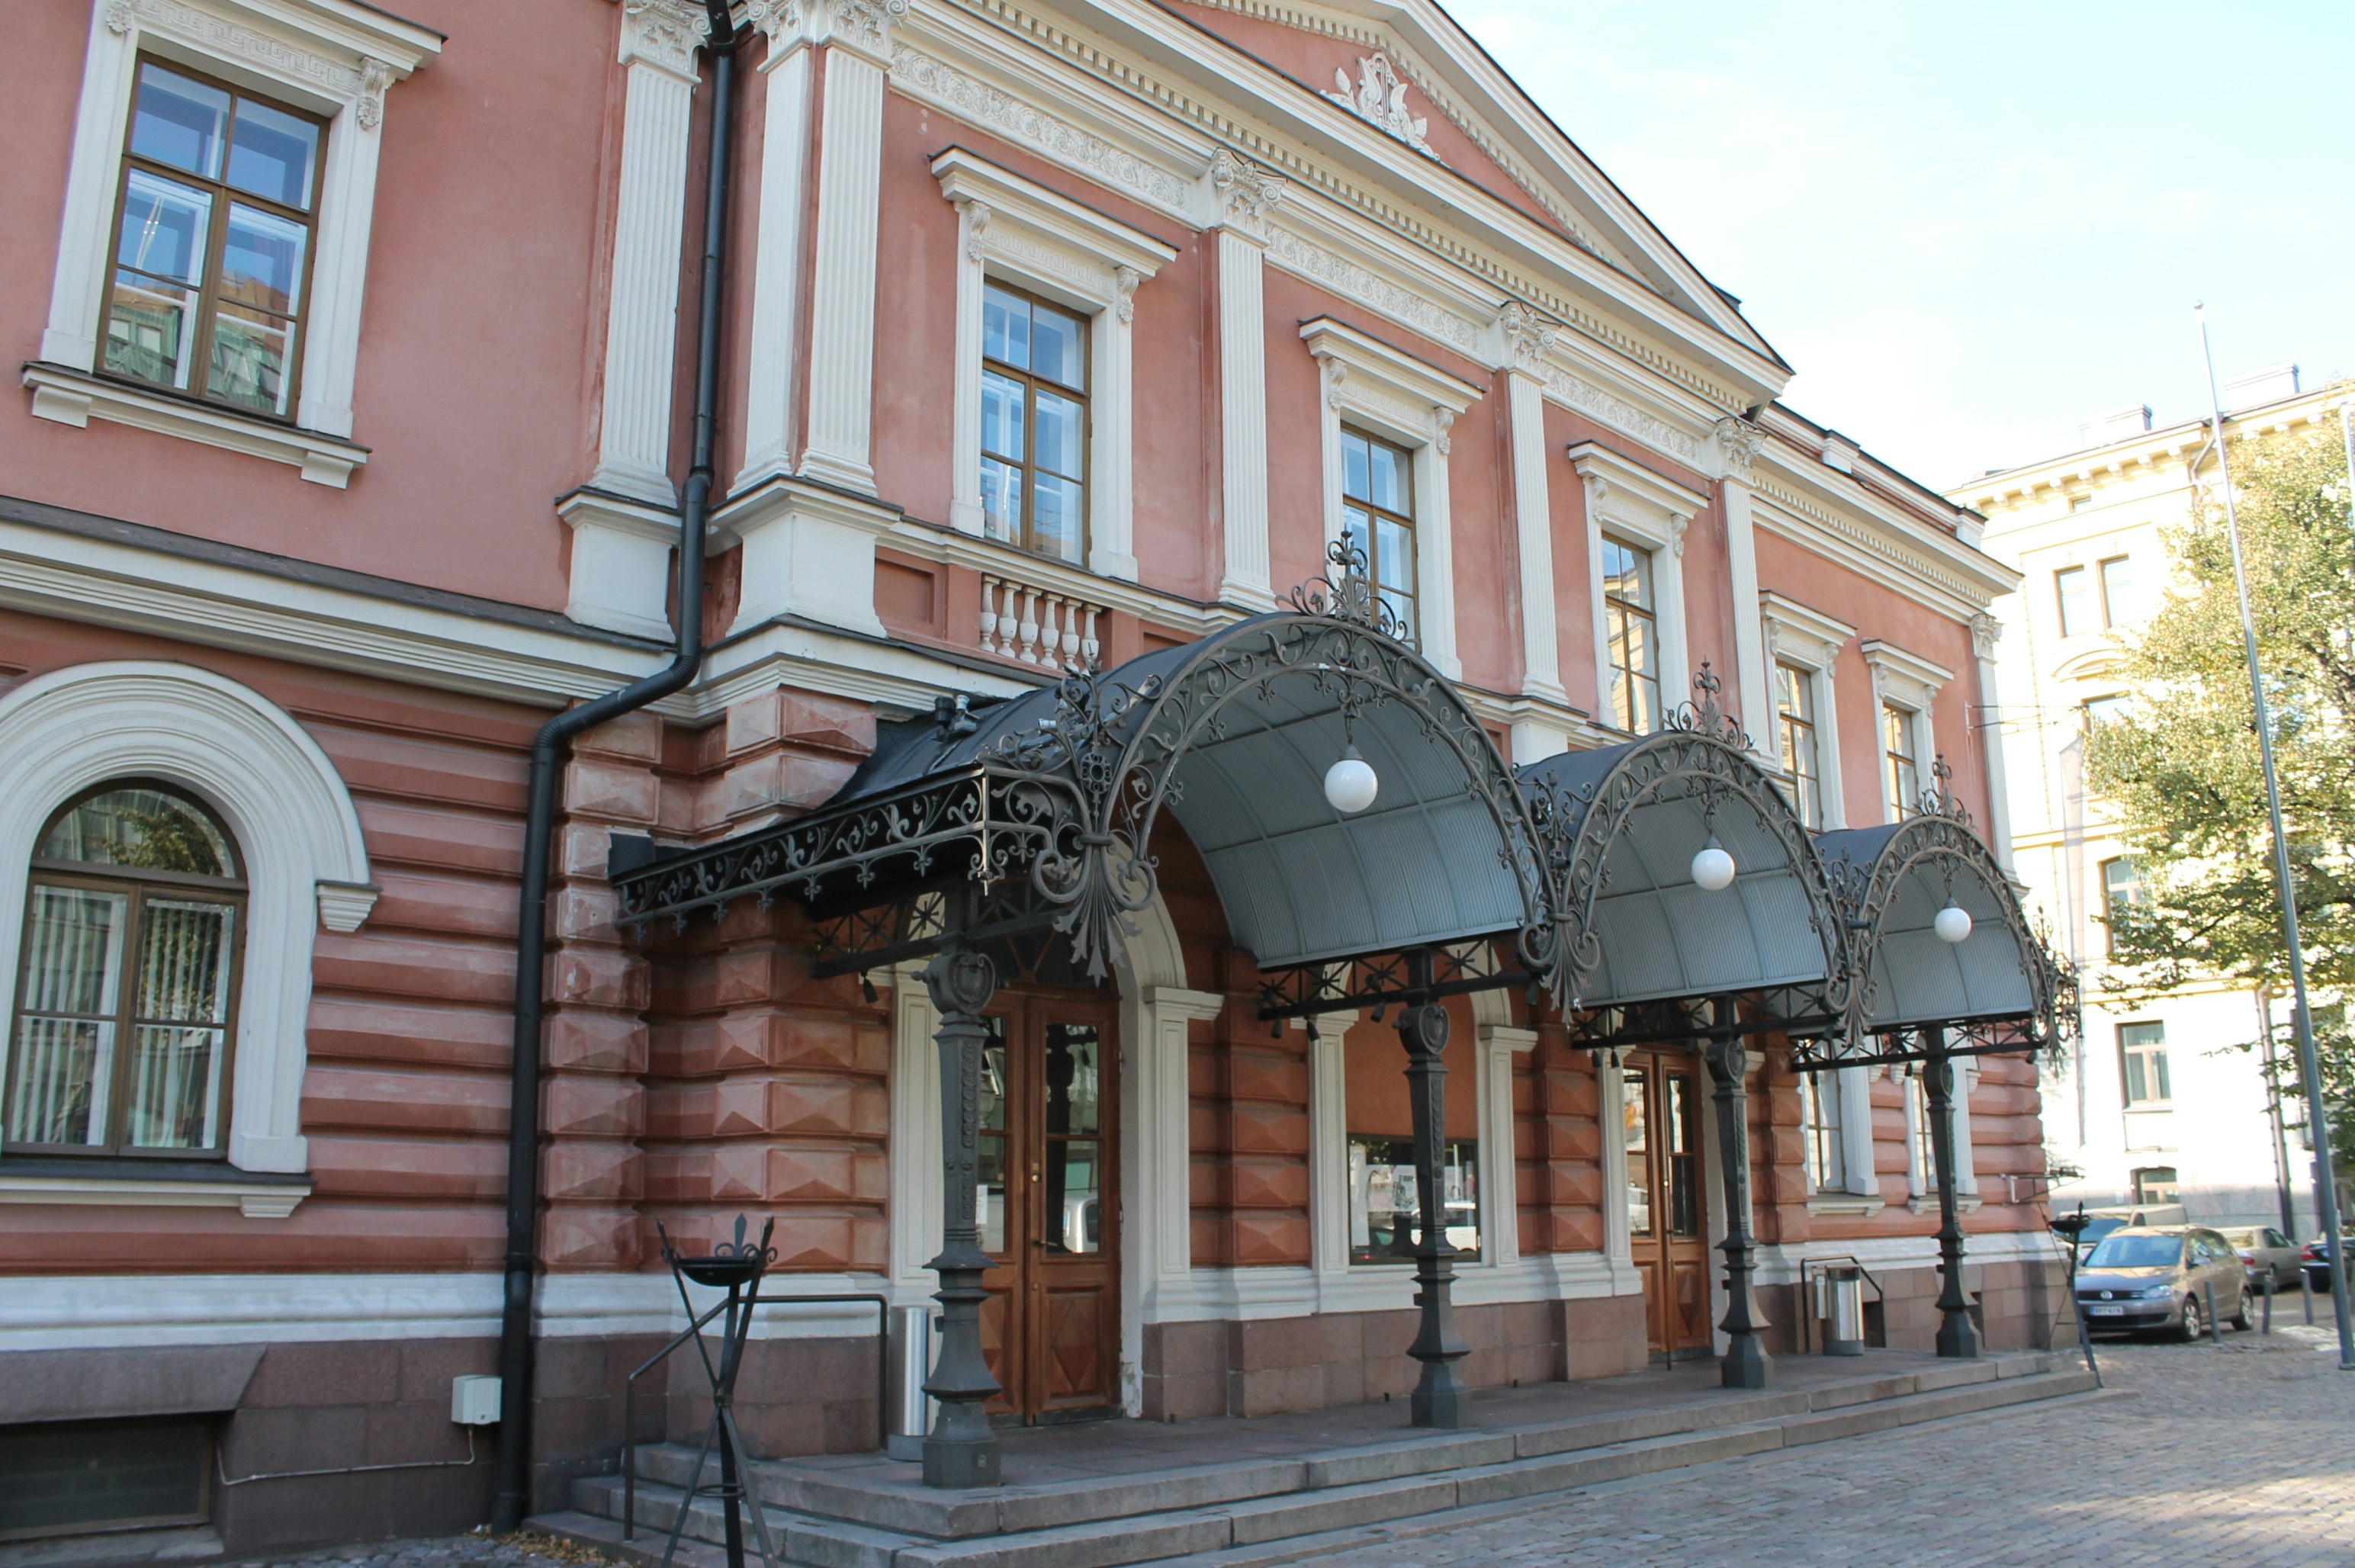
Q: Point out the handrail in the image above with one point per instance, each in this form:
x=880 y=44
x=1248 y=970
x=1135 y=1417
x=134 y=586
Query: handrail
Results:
x=630 y=1384
x=1806 y=1317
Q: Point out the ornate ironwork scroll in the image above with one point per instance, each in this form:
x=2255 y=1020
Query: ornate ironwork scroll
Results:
x=1389 y=979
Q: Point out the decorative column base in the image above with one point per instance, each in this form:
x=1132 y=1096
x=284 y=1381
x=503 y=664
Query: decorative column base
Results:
x=1745 y=1363
x=1440 y=1399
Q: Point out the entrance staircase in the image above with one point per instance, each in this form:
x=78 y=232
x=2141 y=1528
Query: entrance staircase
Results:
x=1271 y=1491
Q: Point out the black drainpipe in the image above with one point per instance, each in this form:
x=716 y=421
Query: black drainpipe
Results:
x=512 y=1500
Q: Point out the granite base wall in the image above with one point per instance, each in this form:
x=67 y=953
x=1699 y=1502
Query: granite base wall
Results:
x=2020 y=1304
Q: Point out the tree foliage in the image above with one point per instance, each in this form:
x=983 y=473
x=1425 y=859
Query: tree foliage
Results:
x=2180 y=765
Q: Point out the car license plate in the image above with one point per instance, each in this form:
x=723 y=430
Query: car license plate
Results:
x=2108 y=1311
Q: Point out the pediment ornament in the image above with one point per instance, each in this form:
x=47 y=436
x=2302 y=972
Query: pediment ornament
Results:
x=1381 y=97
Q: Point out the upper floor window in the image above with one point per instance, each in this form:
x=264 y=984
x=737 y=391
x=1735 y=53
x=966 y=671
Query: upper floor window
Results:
x=1034 y=424
x=1902 y=767
x=2121 y=885
x=2142 y=1052
x=1378 y=516
x=125 y=1004
x=1794 y=703
x=2118 y=605
x=213 y=242
x=1820 y=1126
x=2074 y=596
x=2101 y=710
x=1631 y=630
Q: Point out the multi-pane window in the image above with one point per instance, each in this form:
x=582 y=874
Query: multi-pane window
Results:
x=2158 y=1184
x=2121 y=888
x=1820 y=1126
x=2100 y=710
x=126 y=1002
x=2142 y=1052
x=1632 y=626
x=1034 y=424
x=2118 y=604
x=1902 y=766
x=1925 y=1149
x=1795 y=704
x=1378 y=516
x=2074 y=596
x=213 y=242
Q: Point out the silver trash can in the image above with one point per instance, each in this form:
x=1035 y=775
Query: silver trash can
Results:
x=912 y=1363
x=1843 y=1299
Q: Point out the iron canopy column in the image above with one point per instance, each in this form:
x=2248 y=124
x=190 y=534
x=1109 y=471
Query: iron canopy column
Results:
x=1440 y=1397
x=1746 y=1363
x=961 y=1450
x=1958 y=1336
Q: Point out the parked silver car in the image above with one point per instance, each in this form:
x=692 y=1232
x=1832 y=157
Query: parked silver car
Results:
x=2265 y=1250
x=2146 y=1277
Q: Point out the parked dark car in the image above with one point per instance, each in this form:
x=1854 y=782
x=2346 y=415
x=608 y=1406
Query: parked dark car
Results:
x=2316 y=1261
x=2266 y=1253
x=2152 y=1278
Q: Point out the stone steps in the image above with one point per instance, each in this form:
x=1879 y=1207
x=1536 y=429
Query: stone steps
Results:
x=1248 y=1511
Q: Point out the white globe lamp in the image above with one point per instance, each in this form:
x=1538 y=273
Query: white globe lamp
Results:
x=1952 y=923
x=1350 y=784
x=1713 y=868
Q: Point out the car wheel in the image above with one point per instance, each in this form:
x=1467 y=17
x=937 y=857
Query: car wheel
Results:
x=2193 y=1326
x=2241 y=1319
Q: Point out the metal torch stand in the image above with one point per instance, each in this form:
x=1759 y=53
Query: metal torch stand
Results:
x=735 y=1326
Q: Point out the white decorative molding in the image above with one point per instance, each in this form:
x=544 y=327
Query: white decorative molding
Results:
x=1243 y=194
x=1576 y=392
x=621 y=569
x=809 y=554
x=1247 y=579
x=76 y=398
x=1526 y=338
x=1909 y=684
x=842 y=289
x=1350 y=280
x=344 y=906
x=1025 y=234
x=1739 y=443
x=1402 y=399
x=925 y=78
x=330 y=56
x=1652 y=512
x=1811 y=641
x=861 y=26
x=1986 y=631
x=73 y=729
x=665 y=34
x=1380 y=99
x=253 y=1200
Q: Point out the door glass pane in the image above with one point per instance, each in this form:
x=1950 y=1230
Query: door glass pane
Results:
x=993 y=1079
x=1073 y=1172
x=179 y=122
x=64 y=1058
x=1684 y=1157
x=1073 y=1080
x=1635 y=1117
x=989 y=1205
x=270 y=153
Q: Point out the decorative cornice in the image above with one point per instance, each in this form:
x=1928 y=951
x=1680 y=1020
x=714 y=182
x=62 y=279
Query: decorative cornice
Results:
x=1529 y=336
x=921 y=75
x=664 y=34
x=1245 y=193
x=1740 y=443
x=1576 y=392
x=350 y=76
x=1345 y=277
x=1380 y=99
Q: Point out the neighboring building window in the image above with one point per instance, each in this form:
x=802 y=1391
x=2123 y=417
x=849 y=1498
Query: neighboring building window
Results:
x=2080 y=503
x=1378 y=516
x=1794 y=702
x=2117 y=590
x=213 y=242
x=2156 y=1184
x=2074 y=596
x=1901 y=767
x=2121 y=885
x=1034 y=424
x=2099 y=710
x=1820 y=1126
x=2142 y=1049
x=125 y=1007
x=1631 y=617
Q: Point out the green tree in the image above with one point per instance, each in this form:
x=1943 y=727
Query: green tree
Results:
x=2181 y=764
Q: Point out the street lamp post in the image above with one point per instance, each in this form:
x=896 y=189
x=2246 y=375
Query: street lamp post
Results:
x=2317 y=1121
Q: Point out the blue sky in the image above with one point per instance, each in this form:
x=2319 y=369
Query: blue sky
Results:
x=1968 y=226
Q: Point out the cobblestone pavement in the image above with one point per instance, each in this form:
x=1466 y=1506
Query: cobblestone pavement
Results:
x=522 y=1549
x=2240 y=1454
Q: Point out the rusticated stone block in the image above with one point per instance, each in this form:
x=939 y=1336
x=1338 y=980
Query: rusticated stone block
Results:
x=680 y=1110
x=600 y=977
x=805 y=719
x=808 y=1106
x=585 y=911
x=594 y=1041
x=1269 y=1238
x=801 y=1174
x=1267 y=1076
x=589 y=1238
x=582 y=848
x=594 y=1105
x=782 y=781
x=611 y=791
x=1269 y=1129
x=1268 y=1184
x=629 y=738
x=581 y=1172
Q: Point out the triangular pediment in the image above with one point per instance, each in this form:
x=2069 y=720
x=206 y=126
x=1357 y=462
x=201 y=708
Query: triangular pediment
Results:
x=1407 y=67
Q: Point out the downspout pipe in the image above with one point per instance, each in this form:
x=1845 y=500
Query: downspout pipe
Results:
x=512 y=1500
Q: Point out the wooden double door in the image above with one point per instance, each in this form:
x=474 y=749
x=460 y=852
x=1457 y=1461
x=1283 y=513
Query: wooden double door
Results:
x=1667 y=1208
x=1050 y=1207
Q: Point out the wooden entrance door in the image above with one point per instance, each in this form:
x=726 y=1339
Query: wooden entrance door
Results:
x=1050 y=1208
x=1667 y=1226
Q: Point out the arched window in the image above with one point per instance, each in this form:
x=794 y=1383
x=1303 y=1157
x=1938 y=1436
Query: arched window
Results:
x=125 y=1002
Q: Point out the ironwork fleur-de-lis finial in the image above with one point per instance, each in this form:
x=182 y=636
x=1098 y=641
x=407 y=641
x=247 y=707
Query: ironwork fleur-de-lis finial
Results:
x=1346 y=592
x=1940 y=799
x=1704 y=717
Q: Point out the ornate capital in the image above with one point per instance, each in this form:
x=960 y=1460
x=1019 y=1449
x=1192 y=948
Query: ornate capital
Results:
x=1335 y=374
x=1379 y=98
x=961 y=982
x=1985 y=631
x=1247 y=193
x=1529 y=336
x=663 y=33
x=1741 y=442
x=1442 y=421
x=977 y=215
x=375 y=77
x=863 y=26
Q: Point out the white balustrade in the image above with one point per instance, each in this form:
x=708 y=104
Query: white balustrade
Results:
x=1036 y=625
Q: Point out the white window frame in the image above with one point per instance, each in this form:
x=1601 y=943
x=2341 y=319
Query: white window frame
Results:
x=1374 y=387
x=1910 y=684
x=1628 y=500
x=1920 y=1180
x=1858 y=1192
x=307 y=864
x=331 y=58
x=1811 y=641
x=1014 y=231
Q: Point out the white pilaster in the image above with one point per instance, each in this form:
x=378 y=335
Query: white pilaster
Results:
x=1738 y=442
x=1527 y=339
x=1500 y=1219
x=1986 y=630
x=808 y=554
x=842 y=290
x=777 y=263
x=659 y=38
x=1243 y=194
x=1112 y=522
x=1434 y=549
x=620 y=563
x=964 y=438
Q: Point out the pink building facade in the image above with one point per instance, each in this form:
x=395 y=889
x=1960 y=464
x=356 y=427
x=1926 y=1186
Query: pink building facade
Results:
x=357 y=352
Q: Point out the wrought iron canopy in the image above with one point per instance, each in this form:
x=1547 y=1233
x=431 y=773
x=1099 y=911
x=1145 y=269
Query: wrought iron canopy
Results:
x=1998 y=990
x=1060 y=788
x=1621 y=826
